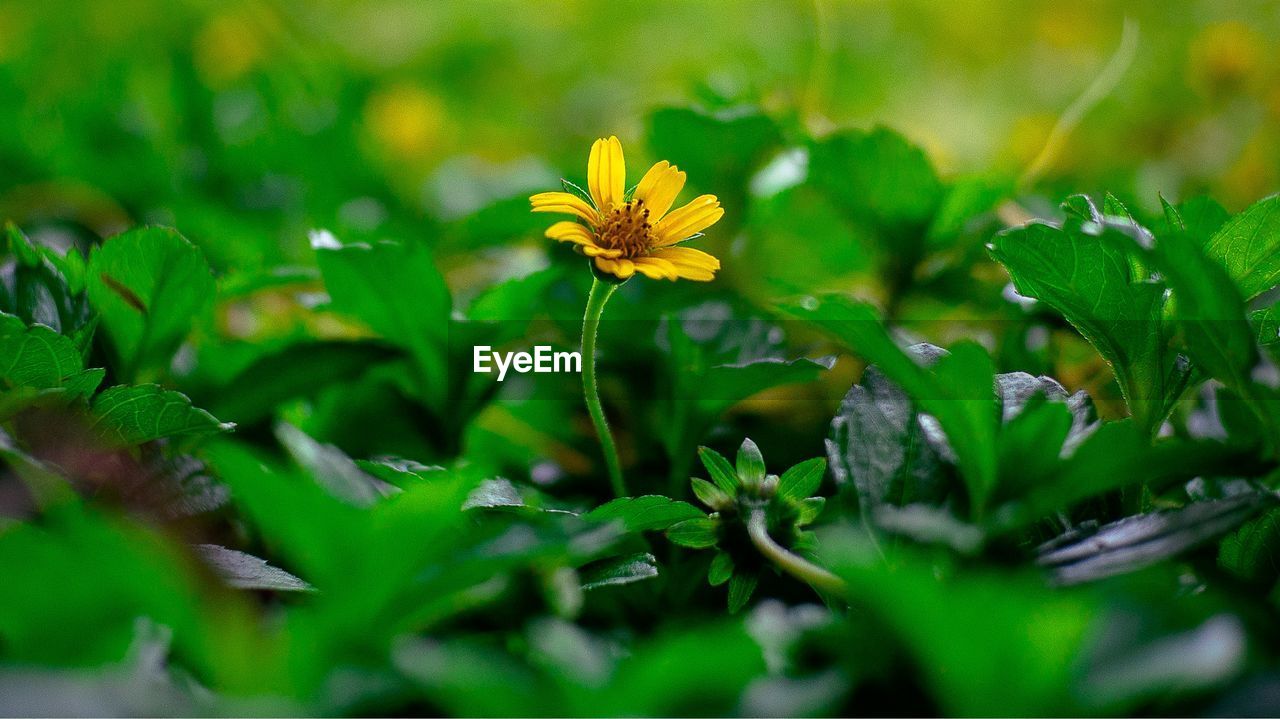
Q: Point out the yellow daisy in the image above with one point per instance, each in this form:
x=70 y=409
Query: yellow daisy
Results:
x=625 y=235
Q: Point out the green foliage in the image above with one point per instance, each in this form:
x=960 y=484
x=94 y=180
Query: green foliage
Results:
x=279 y=487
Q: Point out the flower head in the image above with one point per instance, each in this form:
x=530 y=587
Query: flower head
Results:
x=625 y=234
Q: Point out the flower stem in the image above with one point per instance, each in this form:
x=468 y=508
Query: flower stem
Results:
x=798 y=567
x=600 y=293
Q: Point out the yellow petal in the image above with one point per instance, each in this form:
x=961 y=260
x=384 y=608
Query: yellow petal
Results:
x=656 y=268
x=607 y=173
x=565 y=203
x=621 y=268
x=690 y=263
x=570 y=232
x=689 y=220
x=597 y=251
x=659 y=187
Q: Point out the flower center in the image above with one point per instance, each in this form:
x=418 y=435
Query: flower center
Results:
x=627 y=228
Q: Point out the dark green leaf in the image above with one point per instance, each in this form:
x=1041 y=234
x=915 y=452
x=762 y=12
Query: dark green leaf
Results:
x=150 y=286
x=1252 y=553
x=697 y=533
x=741 y=586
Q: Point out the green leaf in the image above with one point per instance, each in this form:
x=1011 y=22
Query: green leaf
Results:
x=1252 y=553
x=616 y=571
x=722 y=473
x=697 y=533
x=810 y=508
x=741 y=586
x=41 y=287
x=1136 y=542
x=135 y=414
x=298 y=370
x=710 y=495
x=150 y=286
x=877 y=176
x=1096 y=282
x=958 y=390
x=802 y=480
x=649 y=513
x=742 y=138
x=397 y=291
x=40 y=358
x=1208 y=306
x=332 y=468
x=721 y=569
x=1249 y=247
x=750 y=464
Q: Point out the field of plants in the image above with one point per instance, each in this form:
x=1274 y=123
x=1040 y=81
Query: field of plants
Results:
x=928 y=359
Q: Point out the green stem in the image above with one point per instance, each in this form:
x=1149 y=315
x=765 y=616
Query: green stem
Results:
x=798 y=567
x=600 y=293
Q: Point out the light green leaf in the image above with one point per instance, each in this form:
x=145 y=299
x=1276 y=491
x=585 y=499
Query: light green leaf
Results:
x=1249 y=247
x=40 y=358
x=802 y=480
x=721 y=569
x=644 y=514
x=750 y=465
x=616 y=571
x=722 y=473
x=709 y=494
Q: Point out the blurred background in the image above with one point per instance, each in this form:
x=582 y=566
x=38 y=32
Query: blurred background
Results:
x=246 y=124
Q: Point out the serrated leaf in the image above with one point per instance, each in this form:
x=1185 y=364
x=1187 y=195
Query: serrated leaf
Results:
x=1089 y=273
x=750 y=464
x=802 y=480
x=245 y=571
x=722 y=473
x=1248 y=246
x=697 y=533
x=741 y=586
x=709 y=494
x=616 y=571
x=149 y=285
x=720 y=570
x=136 y=414
x=37 y=357
x=649 y=513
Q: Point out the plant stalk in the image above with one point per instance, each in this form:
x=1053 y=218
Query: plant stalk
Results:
x=798 y=567
x=600 y=293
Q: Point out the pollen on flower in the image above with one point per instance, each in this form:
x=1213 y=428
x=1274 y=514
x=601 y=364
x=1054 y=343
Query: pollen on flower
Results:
x=627 y=228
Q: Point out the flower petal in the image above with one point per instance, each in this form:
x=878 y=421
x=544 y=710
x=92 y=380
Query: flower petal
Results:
x=690 y=264
x=565 y=203
x=581 y=236
x=659 y=187
x=621 y=268
x=689 y=220
x=656 y=268
x=607 y=173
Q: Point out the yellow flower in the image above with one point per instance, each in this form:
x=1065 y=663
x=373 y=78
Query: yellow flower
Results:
x=625 y=235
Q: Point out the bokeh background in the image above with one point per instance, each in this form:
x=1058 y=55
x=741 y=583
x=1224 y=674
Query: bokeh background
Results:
x=245 y=124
